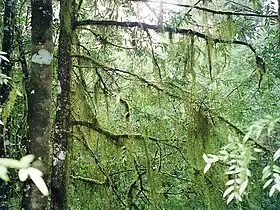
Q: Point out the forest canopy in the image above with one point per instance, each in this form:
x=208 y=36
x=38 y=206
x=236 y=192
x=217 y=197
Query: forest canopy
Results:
x=138 y=104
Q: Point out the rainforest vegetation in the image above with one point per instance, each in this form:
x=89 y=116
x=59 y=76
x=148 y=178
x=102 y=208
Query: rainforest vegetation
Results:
x=140 y=104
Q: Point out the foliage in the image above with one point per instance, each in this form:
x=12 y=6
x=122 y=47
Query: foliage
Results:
x=23 y=165
x=238 y=154
x=156 y=86
x=25 y=171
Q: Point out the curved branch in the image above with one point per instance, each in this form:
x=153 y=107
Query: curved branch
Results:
x=183 y=31
x=116 y=138
x=145 y=26
x=215 y=12
x=141 y=79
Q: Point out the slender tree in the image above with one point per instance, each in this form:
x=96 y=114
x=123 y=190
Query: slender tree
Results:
x=39 y=98
x=6 y=68
x=60 y=170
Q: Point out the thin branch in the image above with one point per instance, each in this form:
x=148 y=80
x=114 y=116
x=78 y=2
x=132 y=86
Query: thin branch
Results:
x=105 y=40
x=215 y=12
x=93 y=155
x=141 y=79
x=87 y=180
x=153 y=54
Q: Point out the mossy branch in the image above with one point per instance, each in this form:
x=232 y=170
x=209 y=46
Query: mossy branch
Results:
x=116 y=138
x=161 y=28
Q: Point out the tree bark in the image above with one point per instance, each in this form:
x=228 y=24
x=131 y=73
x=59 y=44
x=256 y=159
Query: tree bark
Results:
x=6 y=68
x=39 y=93
x=61 y=148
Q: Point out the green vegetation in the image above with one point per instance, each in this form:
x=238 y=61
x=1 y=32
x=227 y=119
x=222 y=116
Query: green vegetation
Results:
x=134 y=104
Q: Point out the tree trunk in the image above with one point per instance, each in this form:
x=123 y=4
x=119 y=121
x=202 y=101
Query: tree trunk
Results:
x=39 y=99
x=6 y=69
x=60 y=173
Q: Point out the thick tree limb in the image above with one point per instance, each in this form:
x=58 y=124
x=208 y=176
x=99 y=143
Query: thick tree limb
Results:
x=183 y=31
x=116 y=138
x=145 y=26
x=215 y=12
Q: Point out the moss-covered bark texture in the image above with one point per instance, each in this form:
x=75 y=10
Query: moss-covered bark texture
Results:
x=60 y=171
x=39 y=101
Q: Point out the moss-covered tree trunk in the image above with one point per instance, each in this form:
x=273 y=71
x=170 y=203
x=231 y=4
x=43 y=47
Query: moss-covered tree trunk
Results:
x=6 y=68
x=60 y=173
x=39 y=99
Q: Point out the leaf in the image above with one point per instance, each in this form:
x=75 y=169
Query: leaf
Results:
x=267 y=168
x=257 y=150
x=4 y=58
x=207 y=167
x=266 y=175
x=238 y=181
x=258 y=133
x=232 y=167
x=205 y=158
x=267 y=183
x=276 y=169
x=232 y=161
x=223 y=152
x=230 y=182
x=26 y=160
x=1 y=122
x=246 y=137
x=240 y=169
x=248 y=172
x=34 y=171
x=19 y=93
x=276 y=155
x=277 y=180
x=232 y=195
x=4 y=76
x=237 y=196
x=272 y=190
x=36 y=177
x=229 y=190
x=276 y=175
x=277 y=186
x=23 y=174
x=214 y=158
x=230 y=172
x=243 y=186
x=271 y=125
x=4 y=173
x=10 y=163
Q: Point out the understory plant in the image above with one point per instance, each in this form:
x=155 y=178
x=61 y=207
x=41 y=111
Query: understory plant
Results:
x=238 y=155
